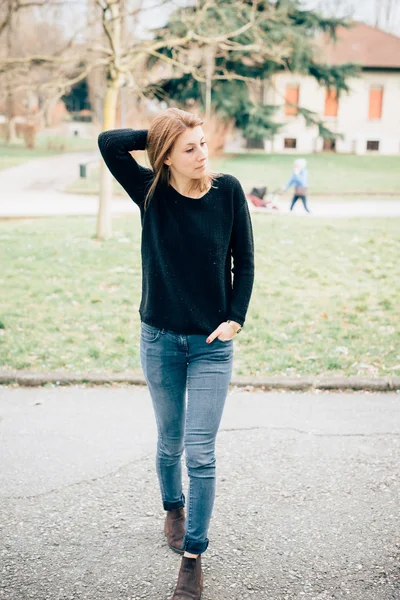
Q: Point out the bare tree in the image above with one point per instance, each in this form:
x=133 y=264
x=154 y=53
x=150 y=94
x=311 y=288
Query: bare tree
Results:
x=109 y=45
x=34 y=53
x=386 y=12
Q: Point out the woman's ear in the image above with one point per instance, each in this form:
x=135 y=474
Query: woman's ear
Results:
x=167 y=161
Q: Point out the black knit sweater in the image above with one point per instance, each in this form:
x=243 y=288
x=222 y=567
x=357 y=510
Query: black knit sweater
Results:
x=187 y=244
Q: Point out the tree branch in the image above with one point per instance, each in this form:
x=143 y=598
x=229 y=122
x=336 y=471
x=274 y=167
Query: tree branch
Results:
x=7 y=64
x=105 y=8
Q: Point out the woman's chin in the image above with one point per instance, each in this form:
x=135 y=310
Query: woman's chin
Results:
x=200 y=172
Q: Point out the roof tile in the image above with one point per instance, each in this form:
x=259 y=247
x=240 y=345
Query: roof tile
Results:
x=365 y=45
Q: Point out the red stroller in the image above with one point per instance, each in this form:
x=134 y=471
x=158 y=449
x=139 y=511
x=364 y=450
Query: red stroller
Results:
x=256 y=197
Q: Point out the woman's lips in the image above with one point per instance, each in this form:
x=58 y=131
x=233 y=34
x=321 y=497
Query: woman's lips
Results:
x=201 y=166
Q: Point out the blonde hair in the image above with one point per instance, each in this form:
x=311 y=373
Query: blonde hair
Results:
x=163 y=132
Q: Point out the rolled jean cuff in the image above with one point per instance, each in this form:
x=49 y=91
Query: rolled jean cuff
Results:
x=174 y=505
x=194 y=547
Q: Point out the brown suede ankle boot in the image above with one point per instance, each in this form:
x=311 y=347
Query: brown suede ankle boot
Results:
x=174 y=529
x=190 y=580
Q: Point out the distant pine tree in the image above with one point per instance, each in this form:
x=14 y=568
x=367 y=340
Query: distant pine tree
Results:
x=280 y=36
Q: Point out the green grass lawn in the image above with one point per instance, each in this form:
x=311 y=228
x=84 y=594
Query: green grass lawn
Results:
x=329 y=173
x=16 y=154
x=325 y=299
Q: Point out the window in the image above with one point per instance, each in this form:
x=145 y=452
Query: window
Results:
x=329 y=146
x=373 y=145
x=331 y=103
x=375 y=102
x=291 y=97
x=253 y=143
x=290 y=143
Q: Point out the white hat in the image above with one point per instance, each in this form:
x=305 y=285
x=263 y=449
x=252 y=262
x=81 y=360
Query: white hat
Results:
x=300 y=162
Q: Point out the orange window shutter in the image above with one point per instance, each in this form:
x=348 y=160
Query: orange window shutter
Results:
x=291 y=97
x=375 y=103
x=331 y=103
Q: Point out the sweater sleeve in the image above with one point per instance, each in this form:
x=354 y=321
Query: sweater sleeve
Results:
x=304 y=178
x=115 y=146
x=242 y=250
x=290 y=182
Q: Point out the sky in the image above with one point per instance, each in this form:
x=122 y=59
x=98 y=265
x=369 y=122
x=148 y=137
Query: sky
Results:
x=363 y=10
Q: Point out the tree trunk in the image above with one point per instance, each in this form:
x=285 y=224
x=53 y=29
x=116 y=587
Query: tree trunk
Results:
x=104 y=220
x=114 y=83
x=210 y=68
x=11 y=129
x=390 y=9
x=10 y=126
x=377 y=12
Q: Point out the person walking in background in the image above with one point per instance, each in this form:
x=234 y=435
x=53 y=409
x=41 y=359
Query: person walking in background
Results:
x=195 y=223
x=299 y=180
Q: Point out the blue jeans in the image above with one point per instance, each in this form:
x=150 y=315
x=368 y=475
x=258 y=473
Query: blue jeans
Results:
x=302 y=198
x=174 y=364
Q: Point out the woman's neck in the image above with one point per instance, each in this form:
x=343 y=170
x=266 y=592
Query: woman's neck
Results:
x=181 y=184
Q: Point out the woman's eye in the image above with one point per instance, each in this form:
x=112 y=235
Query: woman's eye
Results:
x=202 y=144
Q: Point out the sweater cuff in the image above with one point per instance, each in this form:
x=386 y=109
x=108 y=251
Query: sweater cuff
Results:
x=235 y=318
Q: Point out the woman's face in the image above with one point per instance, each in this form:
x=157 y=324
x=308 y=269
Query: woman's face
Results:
x=189 y=154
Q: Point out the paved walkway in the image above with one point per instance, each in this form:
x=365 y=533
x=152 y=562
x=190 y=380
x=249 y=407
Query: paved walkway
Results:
x=307 y=502
x=35 y=189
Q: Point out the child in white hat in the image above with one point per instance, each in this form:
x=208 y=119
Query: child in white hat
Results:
x=299 y=180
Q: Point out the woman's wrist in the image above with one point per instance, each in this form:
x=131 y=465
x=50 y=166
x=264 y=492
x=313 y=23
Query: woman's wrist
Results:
x=235 y=326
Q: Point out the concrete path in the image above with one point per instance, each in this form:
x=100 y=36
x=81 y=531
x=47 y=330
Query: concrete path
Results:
x=350 y=208
x=307 y=502
x=35 y=189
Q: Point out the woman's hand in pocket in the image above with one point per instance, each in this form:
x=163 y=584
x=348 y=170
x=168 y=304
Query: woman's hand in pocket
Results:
x=224 y=333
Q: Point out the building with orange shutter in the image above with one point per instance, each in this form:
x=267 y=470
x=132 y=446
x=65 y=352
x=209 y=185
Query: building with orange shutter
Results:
x=368 y=117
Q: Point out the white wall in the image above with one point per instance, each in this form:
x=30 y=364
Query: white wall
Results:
x=352 y=119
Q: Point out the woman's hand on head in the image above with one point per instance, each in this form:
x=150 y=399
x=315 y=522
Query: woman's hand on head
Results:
x=225 y=332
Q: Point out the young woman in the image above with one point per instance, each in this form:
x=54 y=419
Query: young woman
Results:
x=194 y=224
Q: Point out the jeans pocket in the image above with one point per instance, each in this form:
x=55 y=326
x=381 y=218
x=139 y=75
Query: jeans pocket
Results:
x=149 y=333
x=224 y=341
